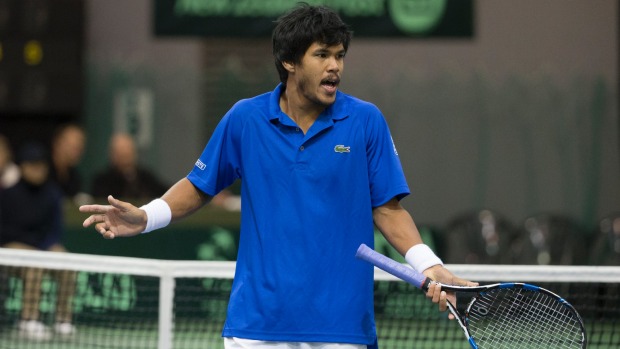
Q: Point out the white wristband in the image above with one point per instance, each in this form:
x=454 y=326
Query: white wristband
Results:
x=421 y=257
x=158 y=215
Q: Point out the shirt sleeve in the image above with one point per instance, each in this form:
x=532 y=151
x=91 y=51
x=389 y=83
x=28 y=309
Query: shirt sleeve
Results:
x=385 y=172
x=218 y=165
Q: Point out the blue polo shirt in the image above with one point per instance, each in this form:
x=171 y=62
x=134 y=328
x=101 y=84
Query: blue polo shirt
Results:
x=306 y=203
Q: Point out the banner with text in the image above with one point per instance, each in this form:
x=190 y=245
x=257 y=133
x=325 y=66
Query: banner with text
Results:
x=367 y=18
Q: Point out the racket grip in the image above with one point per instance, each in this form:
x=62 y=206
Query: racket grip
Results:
x=393 y=267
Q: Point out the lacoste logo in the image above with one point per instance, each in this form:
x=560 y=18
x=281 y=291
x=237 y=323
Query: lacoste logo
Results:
x=342 y=149
x=201 y=165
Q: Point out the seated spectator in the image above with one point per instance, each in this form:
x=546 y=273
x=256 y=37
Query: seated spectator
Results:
x=9 y=172
x=32 y=219
x=124 y=177
x=68 y=142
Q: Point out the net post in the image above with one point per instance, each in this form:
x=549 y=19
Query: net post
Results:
x=166 y=303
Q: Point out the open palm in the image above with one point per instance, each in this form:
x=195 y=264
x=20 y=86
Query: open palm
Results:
x=119 y=219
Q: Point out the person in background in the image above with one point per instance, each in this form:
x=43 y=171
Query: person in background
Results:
x=9 y=171
x=9 y=176
x=68 y=142
x=32 y=219
x=318 y=171
x=124 y=177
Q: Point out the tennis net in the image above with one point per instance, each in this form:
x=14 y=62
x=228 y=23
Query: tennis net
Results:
x=120 y=302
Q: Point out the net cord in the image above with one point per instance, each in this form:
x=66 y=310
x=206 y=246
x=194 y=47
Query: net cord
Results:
x=116 y=265
x=226 y=269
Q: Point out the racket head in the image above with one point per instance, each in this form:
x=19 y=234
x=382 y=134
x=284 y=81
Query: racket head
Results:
x=519 y=315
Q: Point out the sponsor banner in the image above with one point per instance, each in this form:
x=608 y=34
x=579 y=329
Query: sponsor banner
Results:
x=367 y=18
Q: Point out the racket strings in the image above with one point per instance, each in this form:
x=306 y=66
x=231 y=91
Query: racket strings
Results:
x=513 y=318
x=538 y=328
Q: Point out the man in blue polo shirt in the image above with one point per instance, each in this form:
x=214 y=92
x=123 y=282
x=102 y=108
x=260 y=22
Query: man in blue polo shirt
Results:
x=318 y=170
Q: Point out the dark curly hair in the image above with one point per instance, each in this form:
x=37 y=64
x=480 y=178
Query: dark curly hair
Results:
x=304 y=25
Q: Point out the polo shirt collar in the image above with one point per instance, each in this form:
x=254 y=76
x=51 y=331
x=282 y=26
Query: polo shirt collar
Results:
x=336 y=111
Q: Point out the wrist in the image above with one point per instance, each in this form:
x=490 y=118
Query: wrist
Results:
x=158 y=215
x=421 y=257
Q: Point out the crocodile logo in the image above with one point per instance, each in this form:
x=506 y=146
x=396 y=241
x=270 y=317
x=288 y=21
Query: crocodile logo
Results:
x=342 y=149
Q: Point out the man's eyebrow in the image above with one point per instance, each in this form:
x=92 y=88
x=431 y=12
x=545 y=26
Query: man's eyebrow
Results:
x=327 y=50
x=321 y=49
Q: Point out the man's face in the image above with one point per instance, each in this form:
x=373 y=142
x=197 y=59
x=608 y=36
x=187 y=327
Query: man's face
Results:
x=123 y=154
x=71 y=145
x=318 y=75
x=34 y=172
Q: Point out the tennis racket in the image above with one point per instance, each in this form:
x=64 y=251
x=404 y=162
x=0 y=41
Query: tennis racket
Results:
x=505 y=315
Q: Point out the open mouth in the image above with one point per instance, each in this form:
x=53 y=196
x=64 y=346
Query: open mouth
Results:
x=330 y=84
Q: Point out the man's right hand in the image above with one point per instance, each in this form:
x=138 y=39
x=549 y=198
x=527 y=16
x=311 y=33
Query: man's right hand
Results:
x=119 y=219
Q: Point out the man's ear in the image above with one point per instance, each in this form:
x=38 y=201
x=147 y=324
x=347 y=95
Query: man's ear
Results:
x=289 y=66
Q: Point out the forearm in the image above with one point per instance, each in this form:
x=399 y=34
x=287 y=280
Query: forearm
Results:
x=397 y=226
x=184 y=199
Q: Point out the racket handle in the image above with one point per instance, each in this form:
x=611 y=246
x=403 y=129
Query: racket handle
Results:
x=393 y=267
